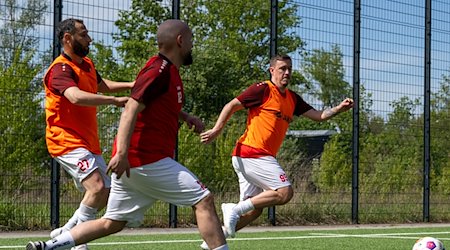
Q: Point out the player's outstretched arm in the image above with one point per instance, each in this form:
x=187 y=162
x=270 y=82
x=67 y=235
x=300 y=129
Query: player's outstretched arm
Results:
x=108 y=86
x=227 y=111
x=83 y=98
x=328 y=113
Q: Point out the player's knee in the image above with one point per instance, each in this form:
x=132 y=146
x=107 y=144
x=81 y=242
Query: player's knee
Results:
x=285 y=195
x=98 y=196
x=94 y=184
x=206 y=203
x=98 y=190
x=113 y=226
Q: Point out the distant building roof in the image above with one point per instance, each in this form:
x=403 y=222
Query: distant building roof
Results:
x=311 y=133
x=314 y=140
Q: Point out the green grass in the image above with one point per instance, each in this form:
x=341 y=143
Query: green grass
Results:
x=392 y=238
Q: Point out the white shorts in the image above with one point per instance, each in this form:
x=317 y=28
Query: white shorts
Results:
x=165 y=180
x=258 y=174
x=80 y=163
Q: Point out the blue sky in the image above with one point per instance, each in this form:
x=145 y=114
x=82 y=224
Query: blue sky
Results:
x=392 y=43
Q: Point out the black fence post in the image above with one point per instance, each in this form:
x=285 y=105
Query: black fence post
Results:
x=55 y=168
x=426 y=120
x=173 y=220
x=176 y=9
x=356 y=86
x=54 y=194
x=273 y=51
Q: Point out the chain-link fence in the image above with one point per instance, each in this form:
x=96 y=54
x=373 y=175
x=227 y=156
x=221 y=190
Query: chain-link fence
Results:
x=387 y=161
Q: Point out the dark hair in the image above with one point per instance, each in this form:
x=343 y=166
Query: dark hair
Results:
x=67 y=26
x=276 y=58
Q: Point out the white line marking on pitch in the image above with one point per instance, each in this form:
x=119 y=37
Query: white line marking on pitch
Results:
x=387 y=235
x=310 y=236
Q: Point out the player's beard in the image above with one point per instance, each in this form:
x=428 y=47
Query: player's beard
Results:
x=79 y=50
x=188 y=60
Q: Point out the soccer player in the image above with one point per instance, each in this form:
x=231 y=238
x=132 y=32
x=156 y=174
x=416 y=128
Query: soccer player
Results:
x=71 y=85
x=271 y=107
x=143 y=169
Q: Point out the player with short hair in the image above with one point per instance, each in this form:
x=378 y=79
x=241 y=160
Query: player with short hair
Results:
x=71 y=85
x=144 y=150
x=271 y=108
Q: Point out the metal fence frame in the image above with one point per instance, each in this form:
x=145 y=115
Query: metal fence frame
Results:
x=357 y=207
x=356 y=86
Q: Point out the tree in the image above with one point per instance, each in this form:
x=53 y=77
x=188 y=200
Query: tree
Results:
x=440 y=135
x=325 y=70
x=17 y=30
x=323 y=73
x=137 y=32
x=107 y=65
x=230 y=45
x=22 y=126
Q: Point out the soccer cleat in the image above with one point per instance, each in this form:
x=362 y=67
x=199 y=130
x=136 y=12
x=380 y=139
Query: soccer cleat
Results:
x=80 y=247
x=230 y=218
x=57 y=232
x=37 y=245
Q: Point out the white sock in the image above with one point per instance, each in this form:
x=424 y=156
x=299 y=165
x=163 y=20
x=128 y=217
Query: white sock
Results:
x=225 y=233
x=72 y=222
x=223 y=247
x=62 y=241
x=243 y=207
x=86 y=213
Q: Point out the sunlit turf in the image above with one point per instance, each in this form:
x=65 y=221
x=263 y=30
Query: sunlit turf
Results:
x=270 y=239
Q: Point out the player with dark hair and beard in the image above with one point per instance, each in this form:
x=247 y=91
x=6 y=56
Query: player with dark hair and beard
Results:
x=142 y=165
x=71 y=91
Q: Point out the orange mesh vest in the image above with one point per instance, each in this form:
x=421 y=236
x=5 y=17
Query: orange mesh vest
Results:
x=268 y=123
x=71 y=126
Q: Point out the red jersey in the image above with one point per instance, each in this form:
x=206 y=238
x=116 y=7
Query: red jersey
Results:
x=269 y=114
x=158 y=86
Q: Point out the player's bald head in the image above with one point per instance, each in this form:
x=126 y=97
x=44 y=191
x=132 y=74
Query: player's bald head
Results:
x=169 y=30
x=175 y=41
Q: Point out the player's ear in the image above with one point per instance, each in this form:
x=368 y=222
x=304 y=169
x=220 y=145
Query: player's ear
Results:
x=66 y=37
x=179 y=40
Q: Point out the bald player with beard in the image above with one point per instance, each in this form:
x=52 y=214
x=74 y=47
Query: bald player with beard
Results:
x=142 y=166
